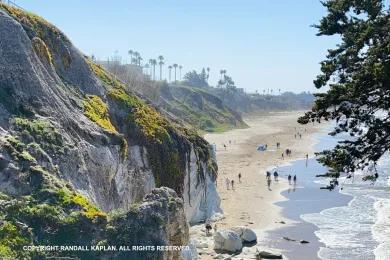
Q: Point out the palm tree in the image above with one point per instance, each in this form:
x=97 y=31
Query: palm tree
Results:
x=146 y=66
x=180 y=67
x=136 y=57
x=153 y=63
x=161 y=63
x=131 y=52
x=175 y=67
x=170 y=70
x=223 y=73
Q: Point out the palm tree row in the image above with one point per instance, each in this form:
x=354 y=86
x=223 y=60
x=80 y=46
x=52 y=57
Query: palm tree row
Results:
x=135 y=59
x=269 y=91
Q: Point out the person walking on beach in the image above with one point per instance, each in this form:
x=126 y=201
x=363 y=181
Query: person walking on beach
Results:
x=269 y=183
x=282 y=156
x=295 y=179
x=227 y=183
x=268 y=175
x=307 y=158
x=239 y=177
x=276 y=175
x=232 y=184
x=208 y=227
x=224 y=145
x=289 y=179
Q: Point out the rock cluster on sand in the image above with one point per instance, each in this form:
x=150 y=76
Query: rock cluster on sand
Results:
x=231 y=240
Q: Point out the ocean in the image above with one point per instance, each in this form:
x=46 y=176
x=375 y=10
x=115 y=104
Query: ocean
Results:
x=350 y=222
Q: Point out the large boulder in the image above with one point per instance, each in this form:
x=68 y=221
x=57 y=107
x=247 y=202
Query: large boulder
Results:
x=227 y=240
x=246 y=234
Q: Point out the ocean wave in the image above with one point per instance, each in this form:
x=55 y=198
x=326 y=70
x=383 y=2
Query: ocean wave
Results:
x=381 y=229
x=361 y=229
x=344 y=228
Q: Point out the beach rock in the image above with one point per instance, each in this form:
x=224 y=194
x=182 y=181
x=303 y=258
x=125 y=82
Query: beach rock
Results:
x=227 y=240
x=268 y=255
x=202 y=245
x=289 y=239
x=246 y=234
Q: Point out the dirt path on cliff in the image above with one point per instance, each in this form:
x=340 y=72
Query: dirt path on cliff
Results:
x=251 y=203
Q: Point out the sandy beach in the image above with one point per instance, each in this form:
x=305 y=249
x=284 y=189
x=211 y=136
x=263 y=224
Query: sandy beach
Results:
x=251 y=203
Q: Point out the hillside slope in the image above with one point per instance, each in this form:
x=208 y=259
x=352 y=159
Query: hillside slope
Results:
x=76 y=145
x=199 y=108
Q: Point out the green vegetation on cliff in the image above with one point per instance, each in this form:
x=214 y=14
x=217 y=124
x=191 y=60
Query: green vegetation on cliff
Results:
x=151 y=123
x=168 y=144
x=96 y=110
x=199 y=108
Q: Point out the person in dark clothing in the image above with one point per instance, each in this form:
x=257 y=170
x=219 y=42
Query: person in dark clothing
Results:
x=289 y=179
x=239 y=177
x=208 y=228
x=276 y=175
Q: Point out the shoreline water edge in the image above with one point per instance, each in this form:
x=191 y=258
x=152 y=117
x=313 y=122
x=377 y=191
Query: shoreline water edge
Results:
x=350 y=222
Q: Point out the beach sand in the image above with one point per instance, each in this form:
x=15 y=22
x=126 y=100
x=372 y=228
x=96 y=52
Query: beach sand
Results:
x=251 y=203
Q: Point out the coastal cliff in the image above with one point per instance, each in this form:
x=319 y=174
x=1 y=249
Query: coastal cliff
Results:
x=81 y=156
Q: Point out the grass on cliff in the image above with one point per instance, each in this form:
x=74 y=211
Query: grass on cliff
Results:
x=151 y=123
x=89 y=210
x=96 y=110
x=41 y=131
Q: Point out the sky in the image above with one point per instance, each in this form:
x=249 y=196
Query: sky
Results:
x=261 y=43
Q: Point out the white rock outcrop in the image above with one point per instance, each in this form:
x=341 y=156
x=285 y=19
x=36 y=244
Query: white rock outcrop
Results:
x=246 y=234
x=227 y=240
x=201 y=199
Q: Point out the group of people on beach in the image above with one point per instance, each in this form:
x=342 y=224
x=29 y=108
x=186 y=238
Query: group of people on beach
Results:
x=288 y=153
x=268 y=177
x=276 y=178
x=294 y=179
x=298 y=134
x=226 y=146
x=230 y=183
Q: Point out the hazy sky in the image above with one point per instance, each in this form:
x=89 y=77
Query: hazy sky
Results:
x=261 y=43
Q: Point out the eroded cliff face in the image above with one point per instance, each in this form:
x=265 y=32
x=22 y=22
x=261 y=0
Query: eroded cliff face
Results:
x=74 y=139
